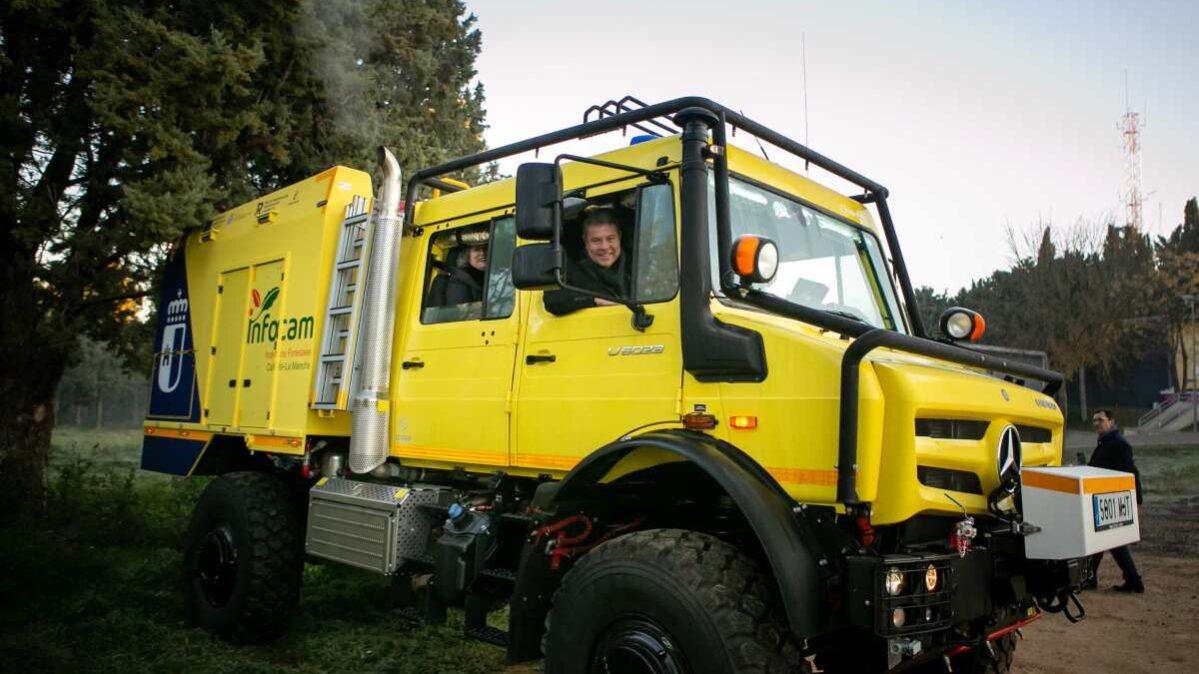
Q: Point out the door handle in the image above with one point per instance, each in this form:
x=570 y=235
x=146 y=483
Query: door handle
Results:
x=412 y=364
x=533 y=360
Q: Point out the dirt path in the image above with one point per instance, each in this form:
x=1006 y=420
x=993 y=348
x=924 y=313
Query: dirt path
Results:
x=1150 y=633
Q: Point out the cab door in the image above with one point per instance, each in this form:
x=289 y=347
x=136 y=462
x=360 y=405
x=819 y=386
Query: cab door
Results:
x=453 y=392
x=589 y=377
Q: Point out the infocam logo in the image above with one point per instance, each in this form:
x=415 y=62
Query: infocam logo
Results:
x=265 y=328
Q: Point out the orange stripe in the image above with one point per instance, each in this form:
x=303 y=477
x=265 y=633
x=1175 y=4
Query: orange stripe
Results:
x=1100 y=485
x=1066 y=485
x=819 y=478
x=546 y=460
x=280 y=441
x=178 y=433
x=489 y=458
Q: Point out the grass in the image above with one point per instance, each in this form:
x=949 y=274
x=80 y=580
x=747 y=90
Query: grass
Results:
x=98 y=588
x=1169 y=474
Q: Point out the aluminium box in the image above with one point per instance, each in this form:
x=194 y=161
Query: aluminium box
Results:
x=369 y=525
x=1081 y=511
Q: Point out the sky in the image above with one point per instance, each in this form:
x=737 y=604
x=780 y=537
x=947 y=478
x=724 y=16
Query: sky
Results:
x=980 y=118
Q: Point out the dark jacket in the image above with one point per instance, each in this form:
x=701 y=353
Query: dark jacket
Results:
x=1114 y=453
x=464 y=285
x=611 y=282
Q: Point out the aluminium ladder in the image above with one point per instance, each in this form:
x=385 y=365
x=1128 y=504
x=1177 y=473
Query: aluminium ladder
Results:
x=335 y=365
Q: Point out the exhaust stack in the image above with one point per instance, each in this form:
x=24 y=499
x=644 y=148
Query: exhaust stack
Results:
x=370 y=403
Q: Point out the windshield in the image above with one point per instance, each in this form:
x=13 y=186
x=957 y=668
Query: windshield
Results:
x=824 y=263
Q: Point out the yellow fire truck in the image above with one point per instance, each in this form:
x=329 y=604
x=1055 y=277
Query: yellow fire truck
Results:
x=745 y=453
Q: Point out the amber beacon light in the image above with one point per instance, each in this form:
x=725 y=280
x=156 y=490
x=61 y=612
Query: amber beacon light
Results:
x=755 y=258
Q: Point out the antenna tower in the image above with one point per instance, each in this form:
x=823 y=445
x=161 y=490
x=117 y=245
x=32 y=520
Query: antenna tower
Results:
x=1130 y=128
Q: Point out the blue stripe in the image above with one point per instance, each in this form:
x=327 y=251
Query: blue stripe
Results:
x=174 y=456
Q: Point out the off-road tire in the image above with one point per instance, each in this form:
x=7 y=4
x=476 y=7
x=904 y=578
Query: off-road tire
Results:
x=248 y=522
x=709 y=608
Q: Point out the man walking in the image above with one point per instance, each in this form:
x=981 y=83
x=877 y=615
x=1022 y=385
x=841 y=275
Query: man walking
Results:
x=1114 y=453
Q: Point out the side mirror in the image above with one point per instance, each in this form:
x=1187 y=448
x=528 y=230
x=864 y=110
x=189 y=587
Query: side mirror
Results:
x=538 y=191
x=535 y=266
x=958 y=323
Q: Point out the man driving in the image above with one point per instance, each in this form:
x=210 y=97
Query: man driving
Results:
x=602 y=271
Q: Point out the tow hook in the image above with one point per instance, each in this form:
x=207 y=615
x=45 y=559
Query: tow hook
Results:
x=900 y=648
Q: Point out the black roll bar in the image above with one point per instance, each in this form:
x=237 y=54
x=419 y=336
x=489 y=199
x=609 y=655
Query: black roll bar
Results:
x=873 y=338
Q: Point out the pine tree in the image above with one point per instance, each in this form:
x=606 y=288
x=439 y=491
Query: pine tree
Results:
x=124 y=123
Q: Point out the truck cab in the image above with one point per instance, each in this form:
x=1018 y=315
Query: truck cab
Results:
x=641 y=398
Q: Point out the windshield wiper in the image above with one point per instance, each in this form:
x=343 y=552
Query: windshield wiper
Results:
x=837 y=321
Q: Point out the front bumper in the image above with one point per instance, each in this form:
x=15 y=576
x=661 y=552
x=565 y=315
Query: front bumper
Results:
x=987 y=589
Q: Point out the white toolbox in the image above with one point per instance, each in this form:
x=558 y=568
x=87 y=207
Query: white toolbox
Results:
x=1081 y=511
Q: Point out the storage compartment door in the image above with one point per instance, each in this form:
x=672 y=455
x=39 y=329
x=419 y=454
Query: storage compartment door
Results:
x=265 y=333
x=229 y=333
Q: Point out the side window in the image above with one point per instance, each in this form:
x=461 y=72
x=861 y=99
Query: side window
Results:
x=501 y=295
x=657 y=275
x=470 y=273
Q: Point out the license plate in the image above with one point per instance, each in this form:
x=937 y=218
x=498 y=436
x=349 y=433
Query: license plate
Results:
x=1113 y=509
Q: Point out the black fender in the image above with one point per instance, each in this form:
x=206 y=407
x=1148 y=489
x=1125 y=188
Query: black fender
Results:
x=790 y=546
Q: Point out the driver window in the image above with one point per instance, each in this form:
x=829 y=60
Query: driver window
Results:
x=622 y=245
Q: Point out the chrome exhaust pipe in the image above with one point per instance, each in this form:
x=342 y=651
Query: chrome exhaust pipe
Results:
x=370 y=403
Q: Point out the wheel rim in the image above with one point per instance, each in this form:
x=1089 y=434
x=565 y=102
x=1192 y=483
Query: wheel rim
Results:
x=635 y=645
x=216 y=565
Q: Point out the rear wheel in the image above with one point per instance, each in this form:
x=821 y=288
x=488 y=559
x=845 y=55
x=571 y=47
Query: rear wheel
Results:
x=242 y=558
x=667 y=602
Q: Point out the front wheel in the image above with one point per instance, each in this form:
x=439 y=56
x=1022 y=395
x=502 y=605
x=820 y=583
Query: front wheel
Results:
x=667 y=602
x=242 y=558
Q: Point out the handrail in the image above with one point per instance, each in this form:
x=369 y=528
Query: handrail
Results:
x=1173 y=401
x=847 y=450
x=1156 y=411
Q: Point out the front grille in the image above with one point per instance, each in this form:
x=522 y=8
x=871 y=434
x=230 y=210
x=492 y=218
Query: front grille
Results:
x=951 y=429
x=1034 y=434
x=953 y=480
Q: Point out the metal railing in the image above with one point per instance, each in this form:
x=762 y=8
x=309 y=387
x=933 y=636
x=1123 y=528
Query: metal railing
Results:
x=1172 y=402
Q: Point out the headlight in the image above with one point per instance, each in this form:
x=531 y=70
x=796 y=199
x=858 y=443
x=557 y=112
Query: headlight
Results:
x=958 y=323
x=894 y=582
x=930 y=578
x=898 y=617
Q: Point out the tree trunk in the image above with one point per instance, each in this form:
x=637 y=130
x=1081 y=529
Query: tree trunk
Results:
x=26 y=422
x=35 y=357
x=99 y=411
x=1082 y=391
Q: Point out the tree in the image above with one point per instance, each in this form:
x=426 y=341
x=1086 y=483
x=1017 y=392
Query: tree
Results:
x=124 y=123
x=1178 y=273
x=1082 y=302
x=932 y=304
